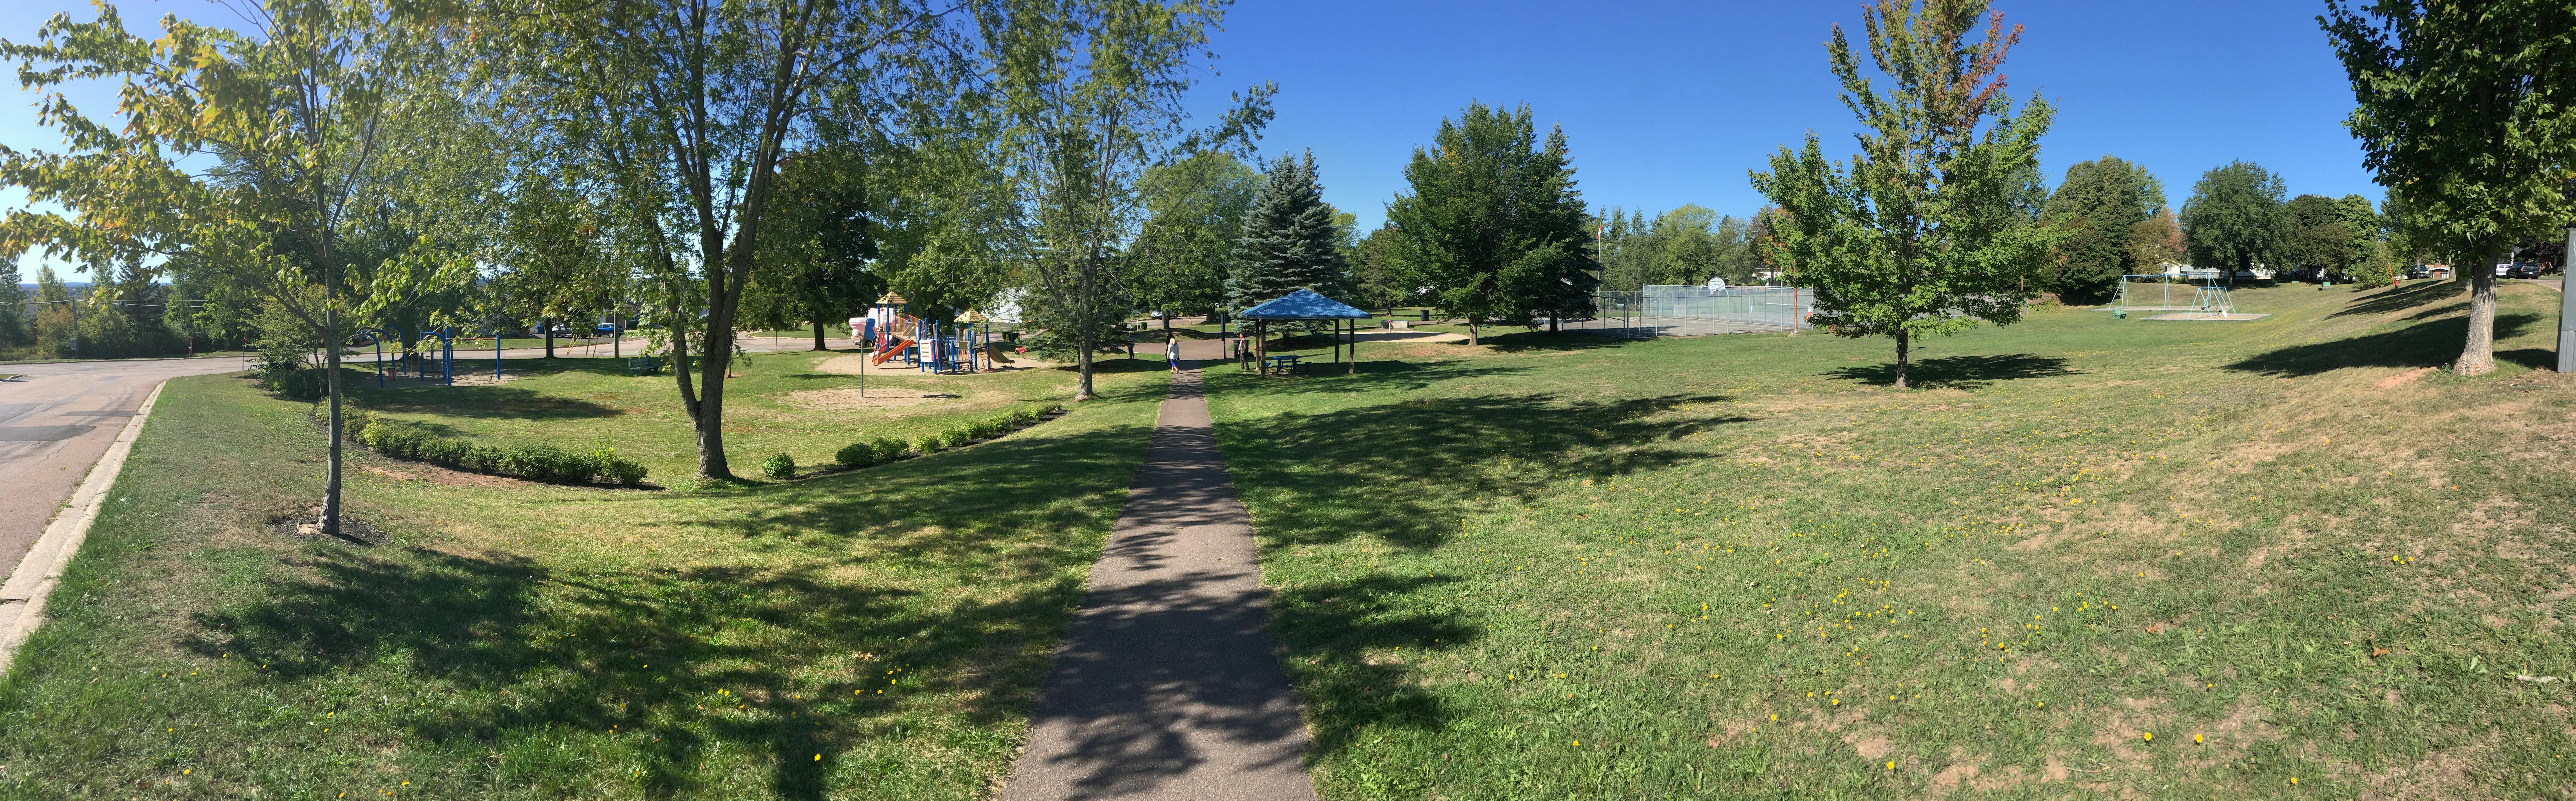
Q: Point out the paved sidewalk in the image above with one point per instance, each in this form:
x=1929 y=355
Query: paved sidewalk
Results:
x=1167 y=686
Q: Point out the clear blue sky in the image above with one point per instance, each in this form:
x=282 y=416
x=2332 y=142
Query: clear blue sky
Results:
x=1667 y=103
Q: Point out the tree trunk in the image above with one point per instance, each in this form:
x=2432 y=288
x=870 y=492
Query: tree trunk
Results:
x=2478 y=356
x=331 y=384
x=818 y=334
x=1902 y=341
x=710 y=411
x=1471 y=332
x=1551 y=325
x=1082 y=368
x=549 y=326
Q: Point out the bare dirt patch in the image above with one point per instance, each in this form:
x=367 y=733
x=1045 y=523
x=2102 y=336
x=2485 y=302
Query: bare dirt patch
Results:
x=854 y=363
x=1413 y=337
x=2402 y=379
x=850 y=398
x=1407 y=350
x=353 y=531
x=462 y=378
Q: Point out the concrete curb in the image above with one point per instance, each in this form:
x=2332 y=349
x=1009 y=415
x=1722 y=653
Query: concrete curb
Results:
x=22 y=599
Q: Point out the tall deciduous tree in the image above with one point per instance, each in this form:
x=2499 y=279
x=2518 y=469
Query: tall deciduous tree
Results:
x=1089 y=95
x=691 y=106
x=2318 y=239
x=1929 y=229
x=1289 y=240
x=812 y=267
x=2234 y=219
x=1196 y=208
x=2468 y=112
x=287 y=114
x=2096 y=209
x=1494 y=227
x=1688 y=244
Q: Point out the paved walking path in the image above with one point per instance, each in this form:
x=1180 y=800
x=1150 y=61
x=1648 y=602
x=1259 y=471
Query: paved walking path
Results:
x=1166 y=686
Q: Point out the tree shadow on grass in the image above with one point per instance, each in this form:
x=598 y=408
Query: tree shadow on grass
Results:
x=2402 y=299
x=482 y=401
x=1545 y=341
x=958 y=508
x=1328 y=631
x=1401 y=470
x=2426 y=344
x=1960 y=372
x=531 y=657
x=1373 y=376
x=698 y=662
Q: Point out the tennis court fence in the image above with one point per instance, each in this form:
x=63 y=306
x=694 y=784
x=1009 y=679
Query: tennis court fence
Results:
x=1657 y=310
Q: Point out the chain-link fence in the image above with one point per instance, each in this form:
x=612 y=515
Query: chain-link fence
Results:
x=1687 y=311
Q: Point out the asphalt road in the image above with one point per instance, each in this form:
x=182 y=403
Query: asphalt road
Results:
x=55 y=421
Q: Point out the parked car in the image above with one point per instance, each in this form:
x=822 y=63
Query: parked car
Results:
x=2414 y=271
x=2523 y=269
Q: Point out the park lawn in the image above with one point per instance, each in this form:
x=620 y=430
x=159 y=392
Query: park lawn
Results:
x=875 y=634
x=590 y=402
x=1745 y=567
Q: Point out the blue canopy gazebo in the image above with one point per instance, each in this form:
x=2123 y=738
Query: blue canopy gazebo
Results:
x=1304 y=305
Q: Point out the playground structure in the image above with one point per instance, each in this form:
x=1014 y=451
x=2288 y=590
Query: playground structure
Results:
x=890 y=332
x=2209 y=300
x=445 y=372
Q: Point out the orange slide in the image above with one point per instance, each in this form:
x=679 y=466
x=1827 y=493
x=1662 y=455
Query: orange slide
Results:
x=890 y=352
x=902 y=322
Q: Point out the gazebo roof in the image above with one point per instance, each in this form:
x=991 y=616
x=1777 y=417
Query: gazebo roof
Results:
x=890 y=299
x=1303 y=304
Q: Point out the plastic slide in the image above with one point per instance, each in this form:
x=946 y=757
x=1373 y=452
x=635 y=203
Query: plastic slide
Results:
x=993 y=350
x=891 y=351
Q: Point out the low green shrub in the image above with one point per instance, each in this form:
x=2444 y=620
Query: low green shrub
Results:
x=870 y=453
x=397 y=439
x=617 y=470
x=778 y=466
x=881 y=450
x=856 y=455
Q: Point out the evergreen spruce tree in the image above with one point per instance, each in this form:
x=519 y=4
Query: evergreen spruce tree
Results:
x=1289 y=241
x=13 y=307
x=1566 y=274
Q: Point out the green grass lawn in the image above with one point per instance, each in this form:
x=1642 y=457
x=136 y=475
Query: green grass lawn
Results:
x=875 y=634
x=1744 y=567
x=781 y=403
